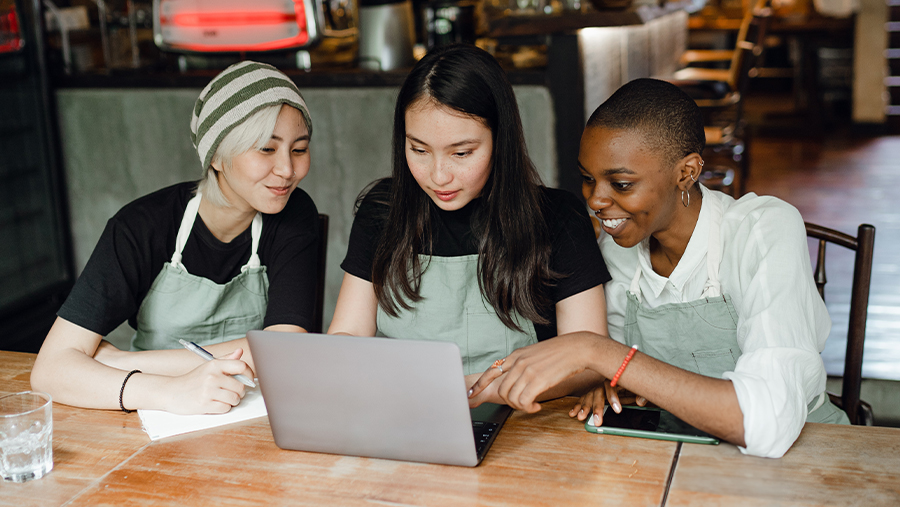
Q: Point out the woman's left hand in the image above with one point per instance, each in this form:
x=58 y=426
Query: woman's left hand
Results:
x=594 y=400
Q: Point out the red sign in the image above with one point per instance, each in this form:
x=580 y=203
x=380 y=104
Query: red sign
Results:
x=232 y=25
x=10 y=36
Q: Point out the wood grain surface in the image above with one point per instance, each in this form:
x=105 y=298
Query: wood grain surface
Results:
x=104 y=458
x=87 y=444
x=543 y=459
x=828 y=465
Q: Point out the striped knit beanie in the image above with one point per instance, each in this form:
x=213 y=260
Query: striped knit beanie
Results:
x=233 y=96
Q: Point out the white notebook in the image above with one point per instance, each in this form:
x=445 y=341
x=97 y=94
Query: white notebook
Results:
x=160 y=424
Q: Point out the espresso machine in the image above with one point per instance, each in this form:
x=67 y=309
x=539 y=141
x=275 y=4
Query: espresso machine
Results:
x=206 y=27
x=386 y=34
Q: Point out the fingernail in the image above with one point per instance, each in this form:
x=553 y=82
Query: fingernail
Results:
x=581 y=411
x=470 y=392
x=596 y=420
x=617 y=407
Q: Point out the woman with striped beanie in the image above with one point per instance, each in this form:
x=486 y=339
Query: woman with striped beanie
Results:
x=199 y=261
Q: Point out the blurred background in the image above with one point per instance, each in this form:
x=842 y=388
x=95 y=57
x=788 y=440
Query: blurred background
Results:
x=802 y=100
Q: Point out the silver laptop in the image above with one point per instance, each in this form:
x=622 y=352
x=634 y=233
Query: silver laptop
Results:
x=373 y=397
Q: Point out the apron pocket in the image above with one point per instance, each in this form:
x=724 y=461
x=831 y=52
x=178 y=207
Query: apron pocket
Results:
x=237 y=327
x=717 y=313
x=486 y=341
x=713 y=363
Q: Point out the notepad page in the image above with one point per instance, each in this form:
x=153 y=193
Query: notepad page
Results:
x=160 y=424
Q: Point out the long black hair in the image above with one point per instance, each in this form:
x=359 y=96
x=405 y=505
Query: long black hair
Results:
x=512 y=236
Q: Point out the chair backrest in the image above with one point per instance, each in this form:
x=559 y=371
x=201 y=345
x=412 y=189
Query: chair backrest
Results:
x=320 y=274
x=749 y=44
x=864 y=245
x=747 y=55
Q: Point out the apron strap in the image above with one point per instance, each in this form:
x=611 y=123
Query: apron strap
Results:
x=713 y=288
x=187 y=224
x=255 y=233
x=184 y=230
x=635 y=283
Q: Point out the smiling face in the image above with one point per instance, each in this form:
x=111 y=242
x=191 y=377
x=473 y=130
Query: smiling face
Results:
x=633 y=191
x=448 y=153
x=262 y=179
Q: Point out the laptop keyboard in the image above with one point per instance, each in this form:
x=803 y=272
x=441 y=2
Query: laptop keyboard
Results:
x=484 y=433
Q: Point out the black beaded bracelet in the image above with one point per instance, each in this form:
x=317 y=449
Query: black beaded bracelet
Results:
x=122 y=390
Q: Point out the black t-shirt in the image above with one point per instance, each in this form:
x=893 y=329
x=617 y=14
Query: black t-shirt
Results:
x=140 y=238
x=574 y=250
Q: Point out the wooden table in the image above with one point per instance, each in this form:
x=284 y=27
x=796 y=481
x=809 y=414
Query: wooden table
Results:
x=104 y=458
x=827 y=465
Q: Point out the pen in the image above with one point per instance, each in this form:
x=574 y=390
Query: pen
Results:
x=200 y=351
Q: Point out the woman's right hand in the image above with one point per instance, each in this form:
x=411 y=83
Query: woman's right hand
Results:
x=595 y=400
x=209 y=388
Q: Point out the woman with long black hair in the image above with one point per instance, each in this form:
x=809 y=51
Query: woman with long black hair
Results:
x=463 y=243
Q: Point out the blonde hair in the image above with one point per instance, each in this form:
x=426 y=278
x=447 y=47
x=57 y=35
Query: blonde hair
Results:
x=252 y=134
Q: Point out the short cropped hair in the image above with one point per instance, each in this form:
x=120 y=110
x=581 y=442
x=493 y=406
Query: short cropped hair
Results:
x=252 y=133
x=669 y=119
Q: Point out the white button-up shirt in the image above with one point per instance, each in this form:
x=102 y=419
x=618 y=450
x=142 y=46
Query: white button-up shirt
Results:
x=782 y=320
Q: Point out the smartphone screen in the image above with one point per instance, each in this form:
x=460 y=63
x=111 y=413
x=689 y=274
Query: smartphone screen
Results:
x=650 y=423
x=649 y=420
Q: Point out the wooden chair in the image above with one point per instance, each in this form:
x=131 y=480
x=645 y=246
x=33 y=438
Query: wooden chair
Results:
x=863 y=244
x=720 y=92
x=749 y=37
x=320 y=274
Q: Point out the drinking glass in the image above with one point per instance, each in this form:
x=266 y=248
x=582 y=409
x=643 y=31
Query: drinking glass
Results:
x=26 y=436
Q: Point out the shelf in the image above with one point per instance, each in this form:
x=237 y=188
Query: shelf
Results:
x=792 y=24
x=568 y=21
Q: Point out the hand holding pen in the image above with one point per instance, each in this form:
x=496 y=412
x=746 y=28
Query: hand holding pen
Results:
x=200 y=351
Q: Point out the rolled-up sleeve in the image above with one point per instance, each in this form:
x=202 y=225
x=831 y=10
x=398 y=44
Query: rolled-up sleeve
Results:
x=782 y=328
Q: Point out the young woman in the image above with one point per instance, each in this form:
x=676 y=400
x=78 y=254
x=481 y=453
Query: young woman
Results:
x=718 y=294
x=463 y=243
x=204 y=263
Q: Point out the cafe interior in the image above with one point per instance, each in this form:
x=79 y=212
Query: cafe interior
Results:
x=801 y=100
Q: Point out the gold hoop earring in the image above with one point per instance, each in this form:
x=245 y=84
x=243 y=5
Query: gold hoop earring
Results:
x=688 y=203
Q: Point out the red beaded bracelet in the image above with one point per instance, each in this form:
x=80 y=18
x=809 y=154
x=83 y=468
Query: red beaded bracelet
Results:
x=618 y=374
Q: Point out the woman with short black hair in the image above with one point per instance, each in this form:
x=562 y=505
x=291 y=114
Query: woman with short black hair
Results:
x=717 y=294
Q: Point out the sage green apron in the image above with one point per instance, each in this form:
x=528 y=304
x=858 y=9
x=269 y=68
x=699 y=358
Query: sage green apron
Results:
x=452 y=309
x=701 y=336
x=182 y=305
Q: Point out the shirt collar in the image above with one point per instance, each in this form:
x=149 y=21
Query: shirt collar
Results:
x=694 y=257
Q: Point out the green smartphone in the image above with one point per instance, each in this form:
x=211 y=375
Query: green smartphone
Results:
x=648 y=422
